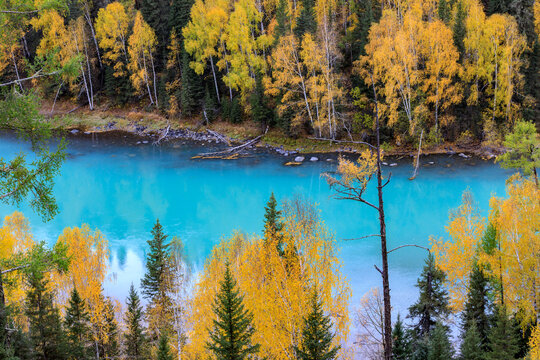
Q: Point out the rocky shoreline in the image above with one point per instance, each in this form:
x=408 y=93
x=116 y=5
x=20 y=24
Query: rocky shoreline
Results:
x=293 y=157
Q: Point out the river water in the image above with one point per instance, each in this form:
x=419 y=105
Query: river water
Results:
x=121 y=187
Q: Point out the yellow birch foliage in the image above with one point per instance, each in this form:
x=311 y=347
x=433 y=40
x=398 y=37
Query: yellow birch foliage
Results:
x=275 y=287
x=534 y=343
x=89 y=256
x=517 y=220
x=15 y=238
x=441 y=66
x=142 y=44
x=537 y=17
x=475 y=71
x=112 y=25
x=456 y=256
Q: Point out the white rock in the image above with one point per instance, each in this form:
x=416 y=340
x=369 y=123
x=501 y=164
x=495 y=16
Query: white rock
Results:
x=145 y=142
x=464 y=156
x=74 y=131
x=393 y=164
x=314 y=158
x=299 y=159
x=385 y=163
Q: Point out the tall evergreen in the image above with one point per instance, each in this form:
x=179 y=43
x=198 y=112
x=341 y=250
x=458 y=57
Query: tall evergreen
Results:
x=503 y=337
x=401 y=349
x=440 y=347
x=111 y=348
x=77 y=327
x=192 y=90
x=156 y=263
x=134 y=337
x=272 y=223
x=164 y=351
x=44 y=322
x=230 y=337
x=317 y=335
x=179 y=14
x=478 y=304
x=472 y=347
x=306 y=22
x=156 y=14
x=283 y=26
x=459 y=29
x=260 y=110
x=432 y=303
x=444 y=11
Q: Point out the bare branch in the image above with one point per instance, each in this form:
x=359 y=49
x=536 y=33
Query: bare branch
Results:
x=18 y=12
x=377 y=268
x=38 y=74
x=363 y=237
x=402 y=246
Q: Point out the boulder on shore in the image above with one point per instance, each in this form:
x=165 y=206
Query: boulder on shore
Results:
x=299 y=159
x=314 y=158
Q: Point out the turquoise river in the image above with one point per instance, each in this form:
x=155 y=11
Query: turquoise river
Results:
x=120 y=188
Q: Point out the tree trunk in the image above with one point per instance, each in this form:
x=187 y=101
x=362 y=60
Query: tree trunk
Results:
x=16 y=70
x=154 y=77
x=215 y=79
x=89 y=21
x=387 y=335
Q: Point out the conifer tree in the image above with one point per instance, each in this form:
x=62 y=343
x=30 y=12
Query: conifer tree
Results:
x=191 y=91
x=156 y=263
x=316 y=334
x=230 y=338
x=400 y=343
x=283 y=26
x=111 y=349
x=135 y=339
x=503 y=337
x=472 y=345
x=44 y=322
x=77 y=326
x=156 y=13
x=164 y=351
x=260 y=111
x=306 y=22
x=440 y=347
x=444 y=11
x=459 y=29
x=179 y=14
x=478 y=304
x=272 y=223
x=432 y=303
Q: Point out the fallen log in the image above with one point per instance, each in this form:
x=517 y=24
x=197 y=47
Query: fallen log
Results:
x=231 y=150
x=163 y=134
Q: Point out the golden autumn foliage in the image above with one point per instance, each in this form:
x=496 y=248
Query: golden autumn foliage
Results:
x=112 y=25
x=275 y=286
x=457 y=255
x=534 y=343
x=88 y=252
x=514 y=262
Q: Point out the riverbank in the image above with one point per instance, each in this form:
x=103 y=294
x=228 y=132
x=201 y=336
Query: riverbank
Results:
x=156 y=129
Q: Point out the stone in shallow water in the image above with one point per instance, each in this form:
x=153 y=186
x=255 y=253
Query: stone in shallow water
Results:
x=314 y=158
x=393 y=164
x=299 y=159
x=74 y=131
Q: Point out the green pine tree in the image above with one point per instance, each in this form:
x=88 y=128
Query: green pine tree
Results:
x=283 y=26
x=260 y=111
x=401 y=349
x=164 y=351
x=77 y=327
x=156 y=263
x=179 y=14
x=111 y=349
x=432 y=303
x=192 y=90
x=230 y=338
x=316 y=334
x=306 y=22
x=156 y=13
x=444 y=11
x=134 y=337
x=44 y=322
x=478 y=305
x=472 y=347
x=459 y=29
x=272 y=223
x=503 y=337
x=440 y=347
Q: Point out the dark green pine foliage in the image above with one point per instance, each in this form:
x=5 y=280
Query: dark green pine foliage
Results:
x=459 y=29
x=77 y=327
x=472 y=347
x=192 y=89
x=209 y=105
x=366 y=13
x=111 y=349
x=232 y=110
x=440 y=347
x=260 y=111
x=478 y=306
x=444 y=11
x=179 y=14
x=156 y=13
x=401 y=348
x=272 y=223
x=230 y=338
x=503 y=337
x=317 y=335
x=283 y=26
x=164 y=351
x=306 y=22
x=44 y=322
x=432 y=303
x=134 y=337
x=156 y=263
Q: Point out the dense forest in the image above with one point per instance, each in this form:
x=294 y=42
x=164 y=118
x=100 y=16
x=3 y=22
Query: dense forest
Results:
x=454 y=70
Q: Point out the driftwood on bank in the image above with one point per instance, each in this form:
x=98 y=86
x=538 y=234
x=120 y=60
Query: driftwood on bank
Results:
x=163 y=134
x=417 y=157
x=231 y=152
